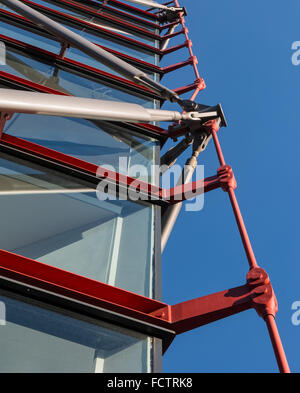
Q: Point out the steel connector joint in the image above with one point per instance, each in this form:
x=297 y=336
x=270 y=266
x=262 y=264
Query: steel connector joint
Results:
x=262 y=295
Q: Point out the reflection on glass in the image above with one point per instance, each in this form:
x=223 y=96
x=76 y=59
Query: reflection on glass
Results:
x=94 y=7
x=112 y=42
x=29 y=37
x=36 y=340
x=101 y=143
x=77 y=55
x=26 y=66
x=60 y=221
x=94 y=20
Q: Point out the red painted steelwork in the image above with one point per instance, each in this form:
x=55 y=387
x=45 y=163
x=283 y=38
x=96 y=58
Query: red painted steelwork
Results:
x=239 y=219
x=282 y=362
x=131 y=8
x=150 y=67
x=28 y=84
x=150 y=192
x=189 y=46
x=112 y=20
x=197 y=85
x=97 y=7
x=267 y=305
x=98 y=29
x=179 y=318
x=61 y=282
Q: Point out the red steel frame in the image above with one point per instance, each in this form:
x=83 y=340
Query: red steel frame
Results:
x=129 y=27
x=269 y=315
x=98 y=7
x=257 y=293
x=150 y=67
x=199 y=83
x=148 y=192
x=131 y=9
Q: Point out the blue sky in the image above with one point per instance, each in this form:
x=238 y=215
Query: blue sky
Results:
x=244 y=53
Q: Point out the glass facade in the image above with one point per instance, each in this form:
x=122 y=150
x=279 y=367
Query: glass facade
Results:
x=119 y=42
x=60 y=221
x=101 y=143
x=34 y=339
x=55 y=217
x=70 y=82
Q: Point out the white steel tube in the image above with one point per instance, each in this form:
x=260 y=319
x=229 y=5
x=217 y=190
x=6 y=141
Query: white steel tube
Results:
x=99 y=54
x=16 y=101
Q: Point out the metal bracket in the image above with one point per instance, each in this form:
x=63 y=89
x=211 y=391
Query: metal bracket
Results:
x=257 y=293
x=196 y=119
x=172 y=14
x=226 y=178
x=3 y=119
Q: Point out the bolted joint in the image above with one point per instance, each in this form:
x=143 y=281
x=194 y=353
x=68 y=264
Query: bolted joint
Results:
x=171 y=15
x=226 y=178
x=200 y=83
x=262 y=295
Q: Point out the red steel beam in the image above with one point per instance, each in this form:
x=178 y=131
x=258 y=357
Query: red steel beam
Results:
x=139 y=63
x=97 y=29
x=121 y=23
x=99 y=7
x=147 y=191
x=132 y=9
x=76 y=287
x=178 y=318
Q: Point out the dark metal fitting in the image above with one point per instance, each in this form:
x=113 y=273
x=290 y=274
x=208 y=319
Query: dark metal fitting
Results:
x=262 y=295
x=171 y=15
x=226 y=178
x=3 y=119
x=191 y=106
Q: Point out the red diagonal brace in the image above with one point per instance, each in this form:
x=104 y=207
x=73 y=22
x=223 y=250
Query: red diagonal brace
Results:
x=257 y=293
x=213 y=127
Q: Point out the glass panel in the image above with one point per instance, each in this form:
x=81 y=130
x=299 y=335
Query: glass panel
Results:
x=100 y=143
x=28 y=67
x=29 y=38
x=97 y=6
x=59 y=220
x=39 y=41
x=77 y=55
x=112 y=42
x=110 y=12
x=39 y=340
x=94 y=20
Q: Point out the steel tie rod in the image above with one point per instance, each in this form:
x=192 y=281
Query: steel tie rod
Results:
x=269 y=319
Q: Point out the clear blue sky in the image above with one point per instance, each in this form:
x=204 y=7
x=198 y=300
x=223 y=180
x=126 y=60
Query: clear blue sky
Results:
x=244 y=53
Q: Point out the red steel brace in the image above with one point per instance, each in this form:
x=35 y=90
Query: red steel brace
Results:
x=213 y=127
x=257 y=293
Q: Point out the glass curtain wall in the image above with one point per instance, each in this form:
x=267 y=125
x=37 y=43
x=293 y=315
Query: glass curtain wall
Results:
x=59 y=219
